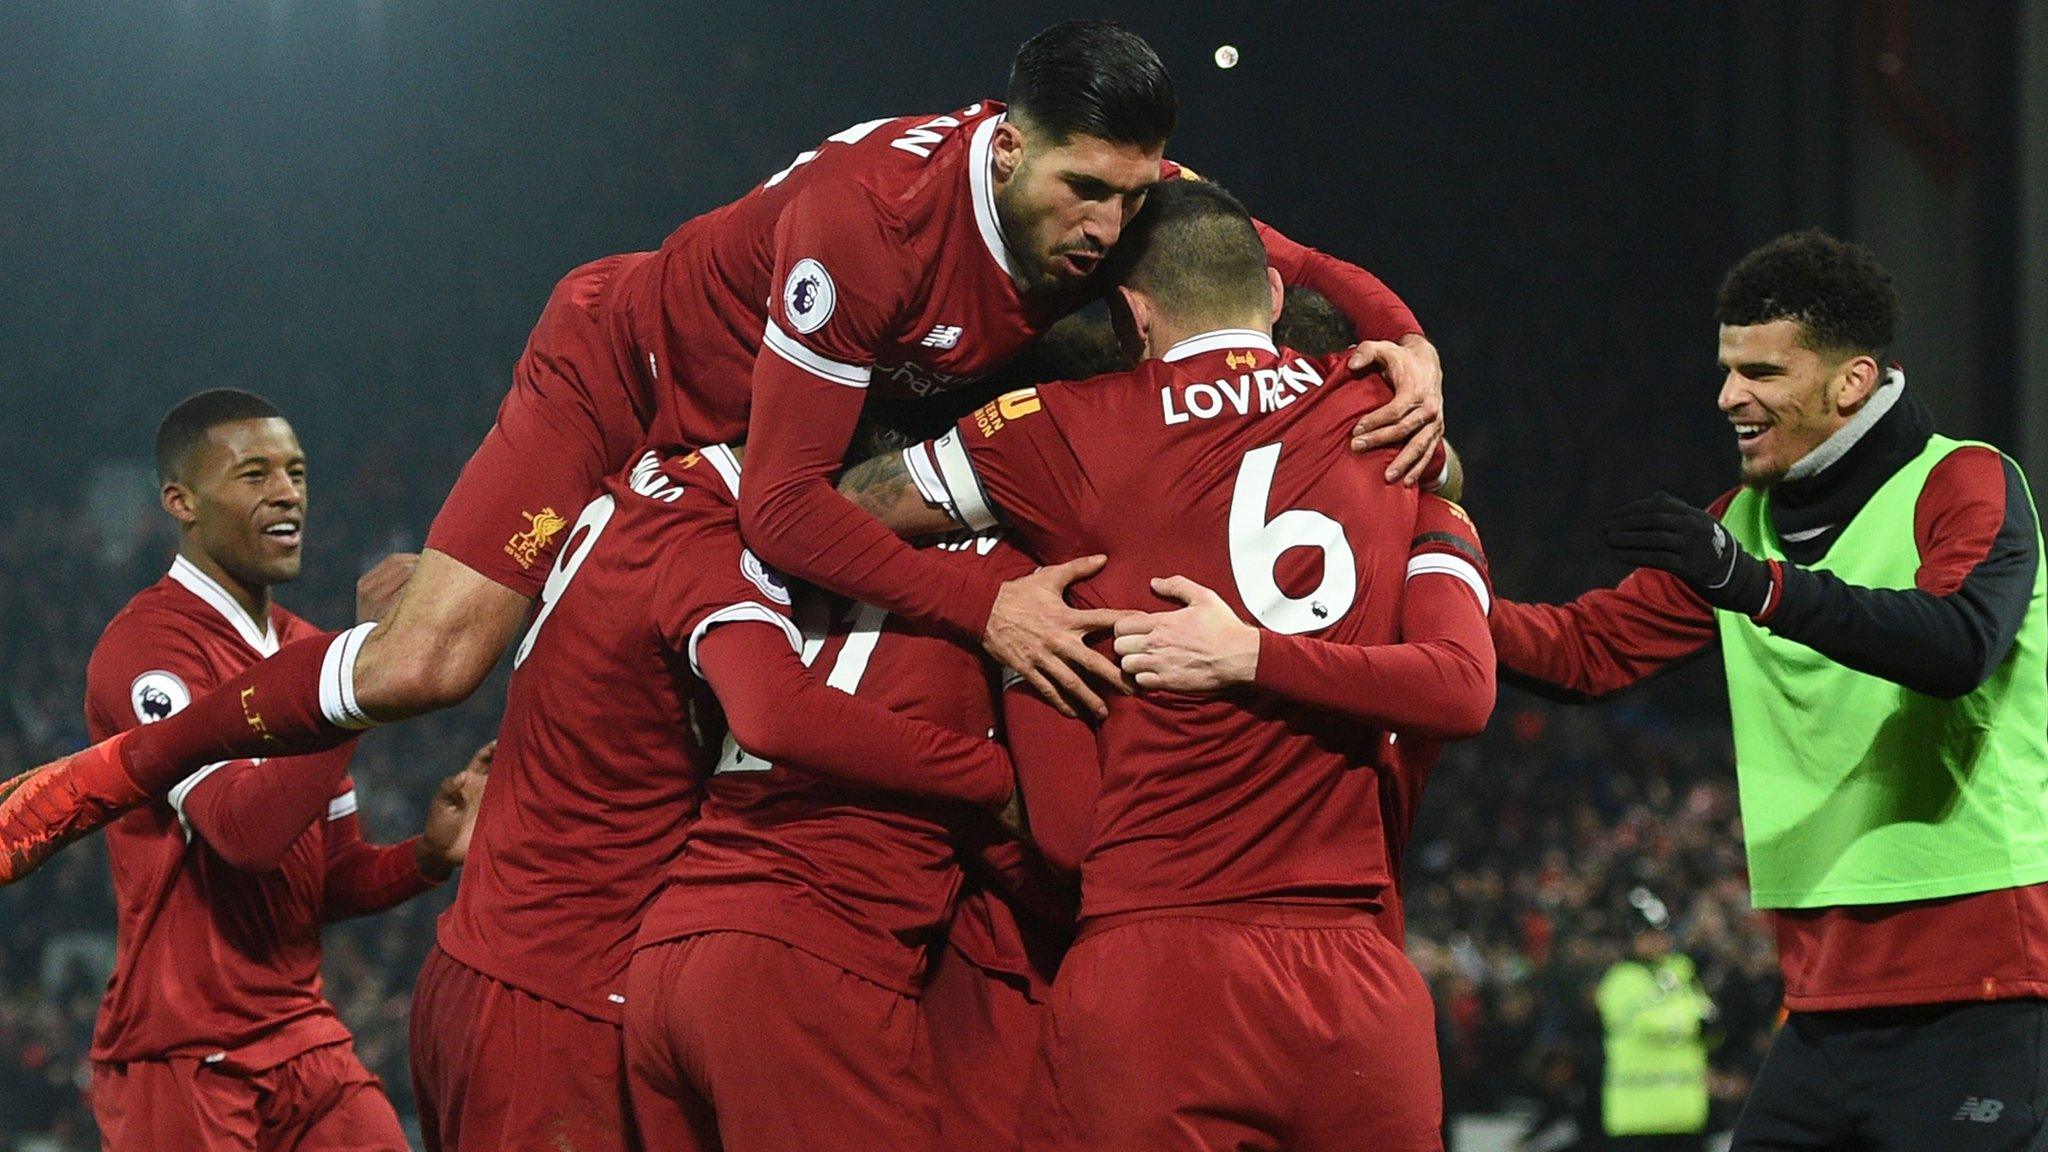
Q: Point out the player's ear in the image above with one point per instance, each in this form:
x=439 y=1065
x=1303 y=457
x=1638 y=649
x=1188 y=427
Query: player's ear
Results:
x=1278 y=289
x=1130 y=316
x=1007 y=150
x=179 y=502
x=1857 y=378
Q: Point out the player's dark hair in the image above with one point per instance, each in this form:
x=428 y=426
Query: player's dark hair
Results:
x=1093 y=78
x=1192 y=248
x=1842 y=298
x=184 y=428
x=1310 y=324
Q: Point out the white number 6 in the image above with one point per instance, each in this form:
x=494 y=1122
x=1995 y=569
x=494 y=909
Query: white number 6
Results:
x=1257 y=543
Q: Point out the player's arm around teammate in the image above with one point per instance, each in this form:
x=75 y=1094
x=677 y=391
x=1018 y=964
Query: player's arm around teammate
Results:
x=1437 y=683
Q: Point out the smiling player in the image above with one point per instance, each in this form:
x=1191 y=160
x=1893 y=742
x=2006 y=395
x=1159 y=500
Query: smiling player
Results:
x=1877 y=594
x=214 y=1033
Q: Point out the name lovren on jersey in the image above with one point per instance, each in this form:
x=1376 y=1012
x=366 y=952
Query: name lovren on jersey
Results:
x=1266 y=390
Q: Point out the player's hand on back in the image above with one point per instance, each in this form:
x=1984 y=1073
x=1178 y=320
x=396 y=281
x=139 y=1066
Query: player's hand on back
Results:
x=1414 y=418
x=1035 y=632
x=377 y=590
x=451 y=816
x=1203 y=647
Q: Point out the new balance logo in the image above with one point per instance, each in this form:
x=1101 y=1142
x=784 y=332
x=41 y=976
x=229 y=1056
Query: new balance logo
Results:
x=1979 y=1110
x=943 y=336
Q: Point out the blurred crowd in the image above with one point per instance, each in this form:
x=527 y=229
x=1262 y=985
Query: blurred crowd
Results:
x=1530 y=842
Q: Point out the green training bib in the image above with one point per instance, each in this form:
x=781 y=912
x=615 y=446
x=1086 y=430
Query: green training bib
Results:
x=1855 y=790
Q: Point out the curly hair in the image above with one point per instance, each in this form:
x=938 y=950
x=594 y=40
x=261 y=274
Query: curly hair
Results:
x=1839 y=294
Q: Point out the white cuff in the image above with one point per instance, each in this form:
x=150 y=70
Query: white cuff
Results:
x=956 y=472
x=338 y=680
x=342 y=806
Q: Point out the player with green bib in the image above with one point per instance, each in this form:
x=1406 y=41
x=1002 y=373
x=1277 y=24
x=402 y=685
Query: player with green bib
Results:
x=1876 y=591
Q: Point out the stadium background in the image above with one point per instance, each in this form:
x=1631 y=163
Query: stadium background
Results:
x=356 y=208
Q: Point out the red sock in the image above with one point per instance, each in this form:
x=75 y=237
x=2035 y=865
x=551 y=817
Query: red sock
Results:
x=272 y=709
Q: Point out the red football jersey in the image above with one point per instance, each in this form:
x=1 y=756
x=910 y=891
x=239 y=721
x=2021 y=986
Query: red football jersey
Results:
x=863 y=878
x=1226 y=461
x=875 y=259
x=211 y=961
x=608 y=733
x=875 y=256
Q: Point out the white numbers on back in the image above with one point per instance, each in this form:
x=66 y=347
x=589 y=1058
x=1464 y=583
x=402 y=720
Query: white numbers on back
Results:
x=575 y=550
x=853 y=135
x=1257 y=543
x=848 y=667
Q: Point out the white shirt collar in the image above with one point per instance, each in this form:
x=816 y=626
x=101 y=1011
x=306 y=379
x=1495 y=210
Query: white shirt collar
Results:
x=981 y=188
x=197 y=582
x=1219 y=340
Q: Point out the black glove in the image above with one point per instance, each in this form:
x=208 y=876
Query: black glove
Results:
x=1666 y=533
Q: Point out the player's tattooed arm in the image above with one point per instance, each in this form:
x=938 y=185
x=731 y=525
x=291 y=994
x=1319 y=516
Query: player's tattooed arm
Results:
x=883 y=488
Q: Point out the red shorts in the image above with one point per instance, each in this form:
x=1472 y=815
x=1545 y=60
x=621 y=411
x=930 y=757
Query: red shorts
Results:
x=984 y=1036
x=1303 y=1029
x=322 y=1099
x=574 y=416
x=495 y=1068
x=756 y=1046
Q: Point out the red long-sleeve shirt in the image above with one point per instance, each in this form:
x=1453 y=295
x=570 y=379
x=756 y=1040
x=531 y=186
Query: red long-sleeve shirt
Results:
x=611 y=729
x=1968 y=527
x=221 y=888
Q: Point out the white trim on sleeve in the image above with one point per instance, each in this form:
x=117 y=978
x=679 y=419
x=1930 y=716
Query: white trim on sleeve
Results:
x=957 y=471
x=784 y=345
x=733 y=614
x=342 y=806
x=1456 y=566
x=1443 y=475
x=182 y=790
